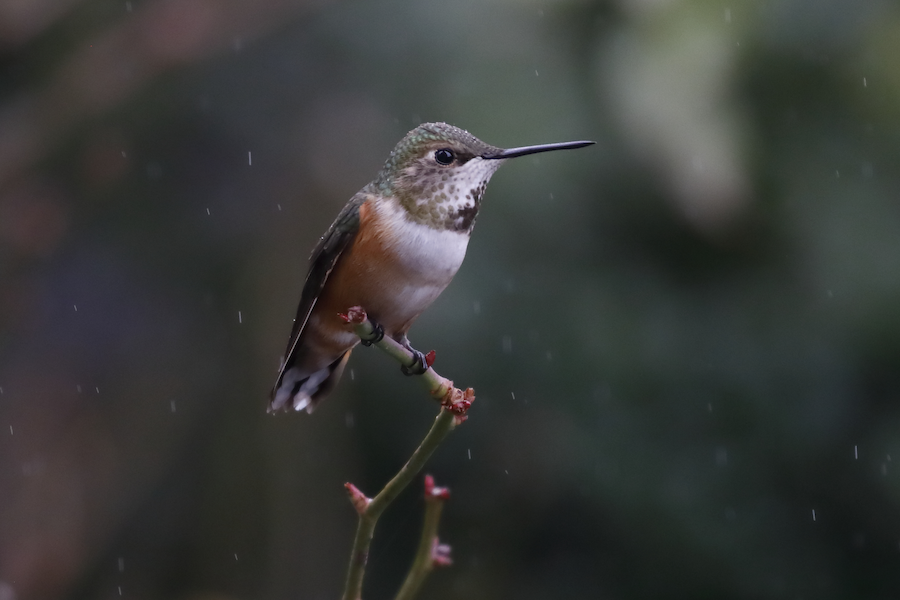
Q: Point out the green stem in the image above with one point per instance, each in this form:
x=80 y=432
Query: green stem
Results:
x=423 y=562
x=443 y=425
x=454 y=404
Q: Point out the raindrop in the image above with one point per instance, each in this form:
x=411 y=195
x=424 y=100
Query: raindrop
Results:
x=279 y=207
x=207 y=212
x=10 y=430
x=97 y=389
x=513 y=394
x=506 y=471
x=814 y=514
x=865 y=84
x=470 y=454
x=78 y=388
x=235 y=556
x=352 y=375
x=172 y=405
x=127 y=9
x=536 y=73
x=240 y=319
x=75 y=306
x=250 y=158
x=856 y=452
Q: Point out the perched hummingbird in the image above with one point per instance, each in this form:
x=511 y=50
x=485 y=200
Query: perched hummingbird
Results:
x=392 y=250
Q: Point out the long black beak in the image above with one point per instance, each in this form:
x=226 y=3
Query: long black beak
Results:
x=514 y=152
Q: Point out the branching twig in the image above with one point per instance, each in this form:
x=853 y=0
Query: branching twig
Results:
x=454 y=404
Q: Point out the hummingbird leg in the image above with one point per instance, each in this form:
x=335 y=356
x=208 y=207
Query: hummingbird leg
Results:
x=377 y=334
x=419 y=364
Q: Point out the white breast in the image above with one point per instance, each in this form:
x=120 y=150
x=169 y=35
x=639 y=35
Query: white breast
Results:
x=427 y=254
x=424 y=261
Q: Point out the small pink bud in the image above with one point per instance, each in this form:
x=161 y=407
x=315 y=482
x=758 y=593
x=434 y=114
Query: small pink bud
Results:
x=440 y=554
x=433 y=492
x=354 y=315
x=359 y=500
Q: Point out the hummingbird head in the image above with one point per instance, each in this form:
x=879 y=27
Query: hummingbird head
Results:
x=438 y=174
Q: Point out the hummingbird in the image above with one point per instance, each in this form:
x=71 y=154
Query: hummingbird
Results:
x=392 y=250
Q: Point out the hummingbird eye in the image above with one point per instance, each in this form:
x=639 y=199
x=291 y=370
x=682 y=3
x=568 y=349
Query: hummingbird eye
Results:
x=444 y=156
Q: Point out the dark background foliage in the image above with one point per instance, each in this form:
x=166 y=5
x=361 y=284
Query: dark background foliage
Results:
x=685 y=340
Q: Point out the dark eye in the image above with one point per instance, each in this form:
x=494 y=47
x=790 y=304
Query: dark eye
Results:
x=444 y=156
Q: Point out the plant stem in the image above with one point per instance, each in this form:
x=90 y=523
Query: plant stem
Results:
x=424 y=560
x=368 y=517
x=454 y=404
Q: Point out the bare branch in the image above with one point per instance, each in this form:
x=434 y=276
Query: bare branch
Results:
x=454 y=404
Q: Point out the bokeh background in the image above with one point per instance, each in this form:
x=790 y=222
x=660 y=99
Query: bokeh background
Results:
x=685 y=340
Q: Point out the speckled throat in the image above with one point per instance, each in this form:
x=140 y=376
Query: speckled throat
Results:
x=445 y=198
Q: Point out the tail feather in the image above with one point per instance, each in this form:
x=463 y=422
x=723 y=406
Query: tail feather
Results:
x=305 y=391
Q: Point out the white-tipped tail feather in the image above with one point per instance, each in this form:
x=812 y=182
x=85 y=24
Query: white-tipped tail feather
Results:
x=303 y=390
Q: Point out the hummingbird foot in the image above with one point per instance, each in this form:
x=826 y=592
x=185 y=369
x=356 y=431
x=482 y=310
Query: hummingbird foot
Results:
x=377 y=334
x=419 y=364
x=422 y=361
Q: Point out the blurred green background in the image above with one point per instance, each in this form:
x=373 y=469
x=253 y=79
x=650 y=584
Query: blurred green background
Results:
x=685 y=341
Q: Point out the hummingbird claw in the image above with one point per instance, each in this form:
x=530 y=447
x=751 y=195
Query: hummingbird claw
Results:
x=377 y=334
x=419 y=364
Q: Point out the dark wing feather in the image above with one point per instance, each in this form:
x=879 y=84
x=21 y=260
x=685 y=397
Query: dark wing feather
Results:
x=322 y=261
